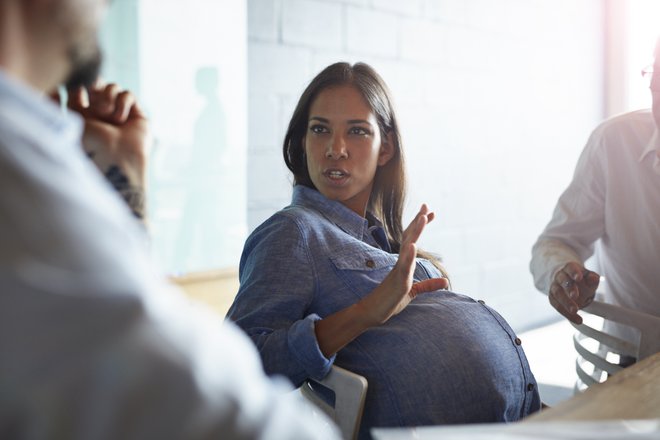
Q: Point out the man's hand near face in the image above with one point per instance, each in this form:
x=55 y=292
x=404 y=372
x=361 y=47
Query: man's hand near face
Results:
x=115 y=138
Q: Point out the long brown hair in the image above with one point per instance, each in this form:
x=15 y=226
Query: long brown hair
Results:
x=389 y=190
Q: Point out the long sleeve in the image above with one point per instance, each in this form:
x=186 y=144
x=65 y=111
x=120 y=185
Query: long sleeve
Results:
x=276 y=293
x=578 y=219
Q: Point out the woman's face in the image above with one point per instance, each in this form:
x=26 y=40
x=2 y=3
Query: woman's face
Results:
x=344 y=147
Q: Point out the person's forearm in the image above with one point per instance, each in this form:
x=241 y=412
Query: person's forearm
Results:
x=337 y=330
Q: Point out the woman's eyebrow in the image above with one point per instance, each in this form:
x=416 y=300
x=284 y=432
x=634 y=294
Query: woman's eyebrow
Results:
x=350 y=121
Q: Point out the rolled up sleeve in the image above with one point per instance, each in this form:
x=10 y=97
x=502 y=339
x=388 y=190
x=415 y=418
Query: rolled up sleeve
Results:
x=273 y=303
x=578 y=219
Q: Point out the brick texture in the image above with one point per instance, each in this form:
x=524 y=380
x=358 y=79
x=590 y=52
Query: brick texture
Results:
x=496 y=100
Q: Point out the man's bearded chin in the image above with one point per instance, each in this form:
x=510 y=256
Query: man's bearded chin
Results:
x=84 y=72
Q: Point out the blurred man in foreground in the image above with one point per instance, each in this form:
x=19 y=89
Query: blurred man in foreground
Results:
x=93 y=343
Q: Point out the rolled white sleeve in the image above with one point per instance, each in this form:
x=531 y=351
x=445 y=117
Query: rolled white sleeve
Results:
x=578 y=219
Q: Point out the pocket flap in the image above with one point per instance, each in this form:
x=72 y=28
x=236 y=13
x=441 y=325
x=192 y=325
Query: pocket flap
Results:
x=363 y=259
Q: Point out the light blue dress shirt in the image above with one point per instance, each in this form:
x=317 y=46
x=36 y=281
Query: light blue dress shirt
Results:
x=446 y=358
x=93 y=343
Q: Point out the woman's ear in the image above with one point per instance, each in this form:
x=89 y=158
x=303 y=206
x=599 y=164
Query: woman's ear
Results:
x=386 y=149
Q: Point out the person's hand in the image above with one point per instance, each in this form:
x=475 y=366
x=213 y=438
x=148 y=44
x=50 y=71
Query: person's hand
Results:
x=573 y=288
x=115 y=138
x=397 y=289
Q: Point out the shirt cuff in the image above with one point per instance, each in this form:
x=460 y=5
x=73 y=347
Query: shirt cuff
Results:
x=304 y=346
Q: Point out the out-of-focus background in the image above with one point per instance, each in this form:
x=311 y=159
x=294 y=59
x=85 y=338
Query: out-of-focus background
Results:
x=496 y=99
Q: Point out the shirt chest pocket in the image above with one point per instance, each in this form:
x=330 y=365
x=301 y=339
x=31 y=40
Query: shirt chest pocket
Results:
x=362 y=270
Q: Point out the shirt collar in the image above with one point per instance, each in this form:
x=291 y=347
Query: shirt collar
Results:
x=24 y=107
x=653 y=147
x=338 y=214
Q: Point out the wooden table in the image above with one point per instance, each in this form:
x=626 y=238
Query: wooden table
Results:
x=633 y=393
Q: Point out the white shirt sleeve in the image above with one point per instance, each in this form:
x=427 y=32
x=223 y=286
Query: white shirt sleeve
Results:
x=578 y=219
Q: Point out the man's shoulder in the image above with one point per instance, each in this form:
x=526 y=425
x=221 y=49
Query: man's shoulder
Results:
x=625 y=122
x=622 y=136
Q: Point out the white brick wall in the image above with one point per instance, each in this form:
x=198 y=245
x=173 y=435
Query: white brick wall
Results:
x=263 y=20
x=372 y=32
x=312 y=23
x=496 y=99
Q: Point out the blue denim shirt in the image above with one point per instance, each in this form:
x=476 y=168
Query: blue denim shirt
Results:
x=445 y=358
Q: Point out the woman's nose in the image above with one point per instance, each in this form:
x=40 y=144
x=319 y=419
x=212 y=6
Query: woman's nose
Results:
x=336 y=148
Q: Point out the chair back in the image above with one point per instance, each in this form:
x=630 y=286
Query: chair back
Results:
x=350 y=391
x=594 y=362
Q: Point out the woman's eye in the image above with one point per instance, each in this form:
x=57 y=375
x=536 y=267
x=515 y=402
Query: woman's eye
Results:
x=318 y=129
x=359 y=131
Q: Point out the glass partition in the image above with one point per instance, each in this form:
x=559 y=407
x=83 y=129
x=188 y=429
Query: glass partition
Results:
x=187 y=63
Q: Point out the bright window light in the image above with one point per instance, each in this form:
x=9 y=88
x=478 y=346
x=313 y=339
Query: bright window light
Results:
x=643 y=28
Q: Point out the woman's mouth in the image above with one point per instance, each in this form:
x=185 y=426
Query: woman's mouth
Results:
x=336 y=175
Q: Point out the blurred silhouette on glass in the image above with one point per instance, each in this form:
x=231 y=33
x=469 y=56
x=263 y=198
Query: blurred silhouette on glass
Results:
x=203 y=179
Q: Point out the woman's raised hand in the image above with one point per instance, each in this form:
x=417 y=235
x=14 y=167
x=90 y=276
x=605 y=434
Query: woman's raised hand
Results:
x=389 y=298
x=397 y=289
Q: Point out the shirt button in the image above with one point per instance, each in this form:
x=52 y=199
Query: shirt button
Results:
x=517 y=341
x=530 y=387
x=370 y=263
x=481 y=301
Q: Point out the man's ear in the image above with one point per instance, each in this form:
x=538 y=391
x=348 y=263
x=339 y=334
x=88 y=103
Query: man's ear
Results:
x=386 y=149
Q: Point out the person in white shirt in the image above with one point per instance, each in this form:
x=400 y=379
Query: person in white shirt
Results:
x=611 y=208
x=93 y=343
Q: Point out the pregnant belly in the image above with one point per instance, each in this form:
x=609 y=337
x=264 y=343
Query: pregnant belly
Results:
x=445 y=359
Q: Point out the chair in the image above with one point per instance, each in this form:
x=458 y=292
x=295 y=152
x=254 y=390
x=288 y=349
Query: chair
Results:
x=350 y=391
x=595 y=347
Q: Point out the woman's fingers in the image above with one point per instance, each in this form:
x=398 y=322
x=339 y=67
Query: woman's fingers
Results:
x=429 y=285
x=414 y=230
x=406 y=262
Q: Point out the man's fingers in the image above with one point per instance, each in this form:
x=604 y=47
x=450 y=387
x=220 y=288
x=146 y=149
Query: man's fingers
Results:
x=558 y=293
x=55 y=96
x=574 y=317
x=592 y=279
x=110 y=91
x=136 y=111
x=102 y=100
x=574 y=270
x=565 y=282
x=125 y=100
x=78 y=99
